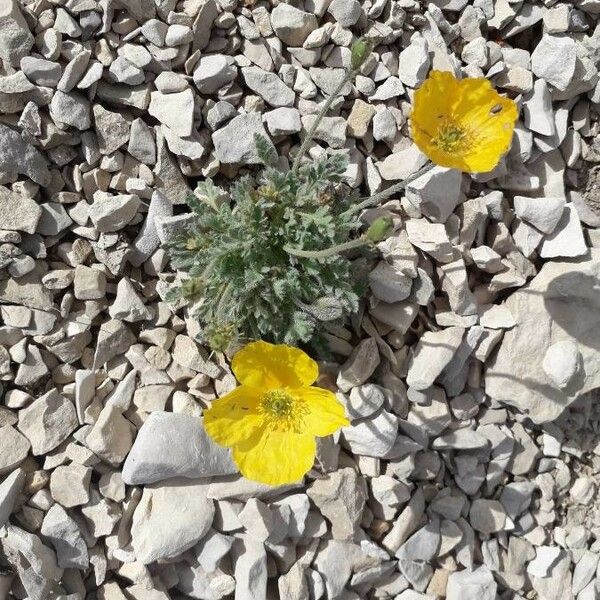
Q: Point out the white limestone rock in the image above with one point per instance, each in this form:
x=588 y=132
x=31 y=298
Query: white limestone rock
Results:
x=170 y=519
x=374 y=436
x=113 y=213
x=436 y=193
x=388 y=284
x=470 y=584
x=14 y=448
x=111 y=436
x=235 y=142
x=543 y=213
x=341 y=498
x=567 y=239
x=558 y=305
x=18 y=212
x=269 y=86
x=554 y=60
x=174 y=445
x=48 y=421
x=15 y=39
x=64 y=534
x=359 y=366
x=433 y=352
x=291 y=24
x=562 y=362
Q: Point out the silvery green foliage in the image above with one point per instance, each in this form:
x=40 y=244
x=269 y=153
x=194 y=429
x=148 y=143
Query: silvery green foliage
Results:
x=241 y=282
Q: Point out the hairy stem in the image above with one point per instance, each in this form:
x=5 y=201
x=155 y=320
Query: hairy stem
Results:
x=371 y=200
x=311 y=132
x=327 y=252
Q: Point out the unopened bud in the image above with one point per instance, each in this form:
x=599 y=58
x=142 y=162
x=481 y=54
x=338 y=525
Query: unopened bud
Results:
x=192 y=289
x=379 y=229
x=361 y=50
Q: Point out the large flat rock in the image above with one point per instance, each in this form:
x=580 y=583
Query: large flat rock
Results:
x=174 y=445
x=561 y=304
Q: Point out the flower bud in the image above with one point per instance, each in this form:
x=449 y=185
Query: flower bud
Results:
x=192 y=289
x=379 y=229
x=361 y=49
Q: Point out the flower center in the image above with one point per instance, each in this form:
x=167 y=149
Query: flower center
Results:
x=282 y=411
x=451 y=137
x=278 y=404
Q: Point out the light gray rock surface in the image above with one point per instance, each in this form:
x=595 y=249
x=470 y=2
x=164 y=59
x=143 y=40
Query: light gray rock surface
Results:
x=557 y=306
x=170 y=519
x=174 y=445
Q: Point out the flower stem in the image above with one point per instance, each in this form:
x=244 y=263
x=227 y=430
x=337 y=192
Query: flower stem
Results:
x=313 y=130
x=327 y=252
x=371 y=200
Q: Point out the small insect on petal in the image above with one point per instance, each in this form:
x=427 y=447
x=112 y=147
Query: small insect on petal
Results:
x=462 y=124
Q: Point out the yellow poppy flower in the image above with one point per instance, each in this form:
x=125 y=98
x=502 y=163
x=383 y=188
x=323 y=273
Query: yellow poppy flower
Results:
x=462 y=124
x=272 y=419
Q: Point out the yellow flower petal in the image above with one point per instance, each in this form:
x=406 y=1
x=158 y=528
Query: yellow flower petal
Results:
x=268 y=366
x=234 y=417
x=462 y=124
x=324 y=412
x=276 y=457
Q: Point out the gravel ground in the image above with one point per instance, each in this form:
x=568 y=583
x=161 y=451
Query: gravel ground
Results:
x=471 y=468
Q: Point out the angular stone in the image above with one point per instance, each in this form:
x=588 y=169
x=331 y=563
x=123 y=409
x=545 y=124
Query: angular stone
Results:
x=197 y=582
x=268 y=86
x=543 y=213
x=39 y=557
x=16 y=39
x=14 y=448
x=487 y=516
x=18 y=212
x=214 y=72
x=360 y=366
x=567 y=238
x=174 y=445
x=423 y=544
x=127 y=305
x=70 y=485
x=436 y=193
x=112 y=213
x=41 y=72
x=341 y=498
x=147 y=240
x=48 y=421
x=112 y=129
x=170 y=519
x=432 y=354
x=16 y=154
x=10 y=489
x=364 y=400
x=554 y=60
x=71 y=109
x=111 y=436
x=114 y=339
x=372 y=437
x=292 y=25
x=470 y=584
x=64 y=534
x=141 y=142
x=388 y=284
x=414 y=62
x=235 y=142
x=176 y=111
